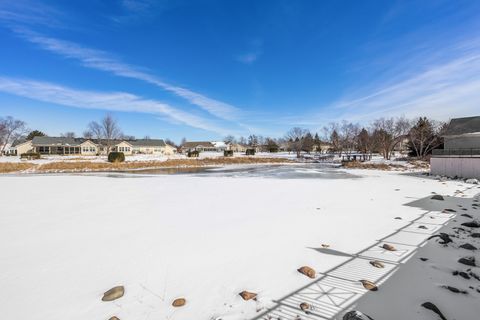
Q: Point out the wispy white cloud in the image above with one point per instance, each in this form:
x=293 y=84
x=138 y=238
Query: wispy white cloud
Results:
x=112 y=101
x=29 y=13
x=440 y=87
x=103 y=61
x=248 y=58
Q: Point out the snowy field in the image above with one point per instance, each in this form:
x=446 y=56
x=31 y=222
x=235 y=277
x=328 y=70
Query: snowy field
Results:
x=66 y=239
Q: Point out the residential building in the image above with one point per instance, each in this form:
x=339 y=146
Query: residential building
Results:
x=151 y=146
x=201 y=146
x=18 y=147
x=64 y=146
x=460 y=156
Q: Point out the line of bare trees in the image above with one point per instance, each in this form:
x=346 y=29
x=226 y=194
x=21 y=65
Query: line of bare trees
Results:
x=383 y=135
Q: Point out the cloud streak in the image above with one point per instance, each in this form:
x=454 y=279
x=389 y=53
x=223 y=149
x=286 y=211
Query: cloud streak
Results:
x=100 y=60
x=441 y=88
x=111 y=101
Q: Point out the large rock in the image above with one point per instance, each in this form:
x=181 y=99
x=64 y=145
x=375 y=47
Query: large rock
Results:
x=309 y=272
x=305 y=307
x=389 y=247
x=369 y=285
x=437 y=197
x=377 y=264
x=180 y=302
x=248 y=295
x=356 y=315
x=114 y=293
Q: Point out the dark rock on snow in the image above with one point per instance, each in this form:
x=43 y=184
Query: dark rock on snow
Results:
x=434 y=308
x=471 y=224
x=468 y=246
x=443 y=236
x=424 y=259
x=461 y=274
x=455 y=290
x=437 y=197
x=356 y=315
x=468 y=261
x=466 y=215
x=475 y=235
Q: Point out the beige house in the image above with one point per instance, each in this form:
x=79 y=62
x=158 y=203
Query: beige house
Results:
x=123 y=146
x=201 y=146
x=19 y=147
x=152 y=146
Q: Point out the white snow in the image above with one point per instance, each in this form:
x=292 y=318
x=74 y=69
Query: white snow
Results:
x=65 y=239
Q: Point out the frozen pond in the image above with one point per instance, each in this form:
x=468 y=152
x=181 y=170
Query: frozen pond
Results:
x=296 y=171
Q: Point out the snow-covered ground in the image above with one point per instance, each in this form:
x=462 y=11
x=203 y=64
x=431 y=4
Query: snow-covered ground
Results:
x=142 y=157
x=66 y=239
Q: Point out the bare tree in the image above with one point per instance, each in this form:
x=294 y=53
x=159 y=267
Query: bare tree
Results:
x=229 y=139
x=108 y=130
x=68 y=134
x=295 y=138
x=389 y=132
x=11 y=130
x=425 y=136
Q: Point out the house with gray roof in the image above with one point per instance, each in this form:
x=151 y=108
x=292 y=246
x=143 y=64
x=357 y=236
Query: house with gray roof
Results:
x=201 y=146
x=151 y=146
x=460 y=156
x=64 y=146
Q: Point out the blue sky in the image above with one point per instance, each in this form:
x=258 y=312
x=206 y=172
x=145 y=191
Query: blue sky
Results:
x=205 y=69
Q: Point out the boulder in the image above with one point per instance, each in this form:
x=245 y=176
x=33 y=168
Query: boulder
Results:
x=248 y=295
x=468 y=261
x=437 y=197
x=377 y=264
x=309 y=272
x=305 y=306
x=369 y=285
x=424 y=259
x=475 y=235
x=388 y=247
x=356 y=315
x=114 y=293
x=180 y=302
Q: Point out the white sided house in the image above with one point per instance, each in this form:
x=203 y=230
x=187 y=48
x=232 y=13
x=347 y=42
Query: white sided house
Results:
x=64 y=146
x=151 y=146
x=460 y=156
x=19 y=147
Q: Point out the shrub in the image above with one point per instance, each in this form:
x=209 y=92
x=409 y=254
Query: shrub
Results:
x=116 y=157
x=250 y=152
x=193 y=154
x=228 y=153
x=30 y=155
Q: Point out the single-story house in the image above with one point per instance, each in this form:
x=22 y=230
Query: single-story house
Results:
x=460 y=156
x=201 y=146
x=64 y=146
x=20 y=146
x=237 y=147
x=151 y=146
